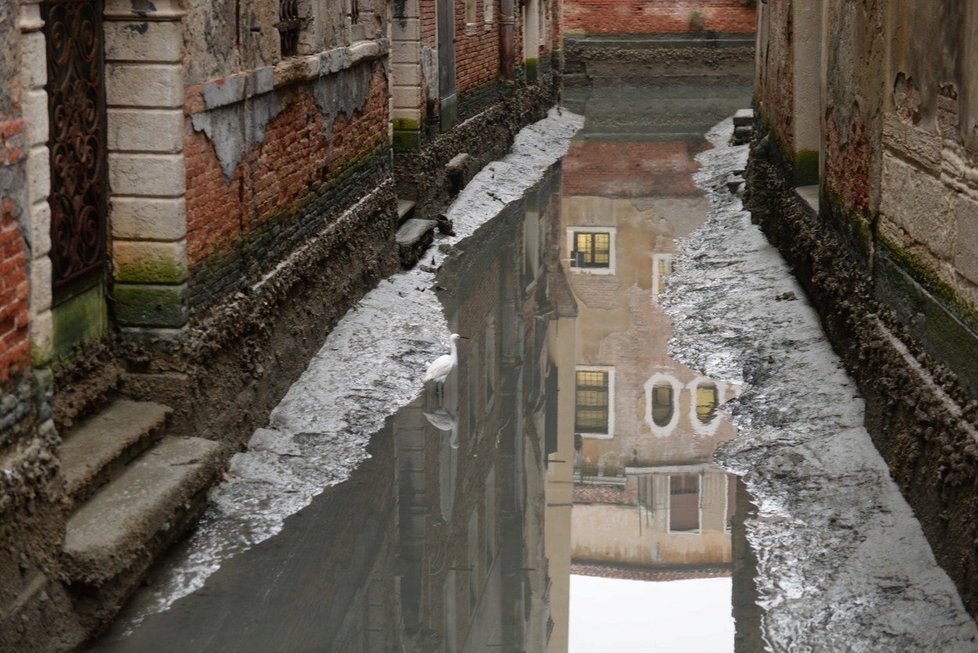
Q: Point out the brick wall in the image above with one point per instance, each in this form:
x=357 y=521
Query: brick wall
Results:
x=14 y=320
x=774 y=80
x=476 y=46
x=609 y=17
x=14 y=335
x=282 y=190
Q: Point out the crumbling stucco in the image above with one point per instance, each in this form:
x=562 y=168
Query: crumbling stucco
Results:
x=237 y=128
x=344 y=92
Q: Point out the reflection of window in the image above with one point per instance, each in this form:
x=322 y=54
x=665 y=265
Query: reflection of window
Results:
x=731 y=503
x=684 y=503
x=662 y=404
x=490 y=357
x=661 y=268
x=592 y=413
x=706 y=402
x=593 y=249
x=471 y=12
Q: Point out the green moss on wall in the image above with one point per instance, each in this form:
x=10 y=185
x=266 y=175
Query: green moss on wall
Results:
x=78 y=320
x=145 y=305
x=930 y=281
x=806 y=167
x=151 y=270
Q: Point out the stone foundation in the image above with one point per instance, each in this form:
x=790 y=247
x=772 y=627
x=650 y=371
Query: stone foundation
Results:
x=425 y=176
x=729 y=58
x=238 y=359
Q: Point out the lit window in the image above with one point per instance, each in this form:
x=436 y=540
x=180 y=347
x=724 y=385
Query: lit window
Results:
x=707 y=400
x=591 y=415
x=662 y=404
x=593 y=249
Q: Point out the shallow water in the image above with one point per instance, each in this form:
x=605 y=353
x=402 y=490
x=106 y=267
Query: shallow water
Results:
x=562 y=491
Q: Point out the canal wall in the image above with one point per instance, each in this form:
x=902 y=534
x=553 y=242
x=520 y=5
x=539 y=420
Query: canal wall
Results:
x=240 y=196
x=611 y=41
x=831 y=526
x=863 y=173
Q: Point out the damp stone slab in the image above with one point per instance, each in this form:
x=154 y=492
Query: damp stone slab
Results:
x=106 y=535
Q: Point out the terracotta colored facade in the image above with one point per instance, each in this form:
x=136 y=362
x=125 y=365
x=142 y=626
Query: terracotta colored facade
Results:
x=620 y=17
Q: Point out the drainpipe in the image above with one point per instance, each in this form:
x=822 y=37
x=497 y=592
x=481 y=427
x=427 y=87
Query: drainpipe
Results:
x=507 y=54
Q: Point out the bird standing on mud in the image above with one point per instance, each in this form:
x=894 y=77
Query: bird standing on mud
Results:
x=441 y=367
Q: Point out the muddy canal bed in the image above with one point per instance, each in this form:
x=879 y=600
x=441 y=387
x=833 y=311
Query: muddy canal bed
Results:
x=646 y=444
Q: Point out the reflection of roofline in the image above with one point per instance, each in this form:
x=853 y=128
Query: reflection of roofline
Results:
x=688 y=468
x=662 y=573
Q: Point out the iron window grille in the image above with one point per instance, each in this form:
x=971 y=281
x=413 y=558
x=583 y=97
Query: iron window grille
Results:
x=289 y=26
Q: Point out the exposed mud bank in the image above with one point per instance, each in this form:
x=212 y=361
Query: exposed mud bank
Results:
x=921 y=419
x=842 y=563
x=370 y=365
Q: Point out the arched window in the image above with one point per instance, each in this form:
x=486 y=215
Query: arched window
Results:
x=707 y=400
x=663 y=403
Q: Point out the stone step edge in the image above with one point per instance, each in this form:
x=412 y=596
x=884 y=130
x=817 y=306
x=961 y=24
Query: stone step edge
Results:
x=133 y=518
x=99 y=448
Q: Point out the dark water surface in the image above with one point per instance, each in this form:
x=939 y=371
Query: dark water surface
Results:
x=561 y=494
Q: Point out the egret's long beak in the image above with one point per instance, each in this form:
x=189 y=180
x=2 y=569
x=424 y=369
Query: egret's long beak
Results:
x=464 y=337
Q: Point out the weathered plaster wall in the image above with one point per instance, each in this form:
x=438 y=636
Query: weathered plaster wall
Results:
x=890 y=254
x=774 y=78
x=256 y=167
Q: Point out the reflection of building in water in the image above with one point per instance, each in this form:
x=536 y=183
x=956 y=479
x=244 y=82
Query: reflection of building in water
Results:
x=471 y=553
x=646 y=427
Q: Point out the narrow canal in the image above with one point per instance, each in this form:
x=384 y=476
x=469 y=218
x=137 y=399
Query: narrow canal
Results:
x=563 y=493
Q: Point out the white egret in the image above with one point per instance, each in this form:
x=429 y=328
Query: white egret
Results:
x=441 y=367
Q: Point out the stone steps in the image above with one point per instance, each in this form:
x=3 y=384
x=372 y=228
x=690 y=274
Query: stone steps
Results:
x=135 y=491
x=135 y=515
x=405 y=210
x=99 y=448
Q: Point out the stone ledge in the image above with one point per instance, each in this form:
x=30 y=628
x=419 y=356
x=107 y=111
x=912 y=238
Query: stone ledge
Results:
x=158 y=10
x=239 y=87
x=108 y=535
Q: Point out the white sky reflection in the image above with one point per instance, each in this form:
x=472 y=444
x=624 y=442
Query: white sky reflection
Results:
x=625 y=616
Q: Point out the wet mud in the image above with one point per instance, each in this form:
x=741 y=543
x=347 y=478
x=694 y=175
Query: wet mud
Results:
x=920 y=417
x=842 y=564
